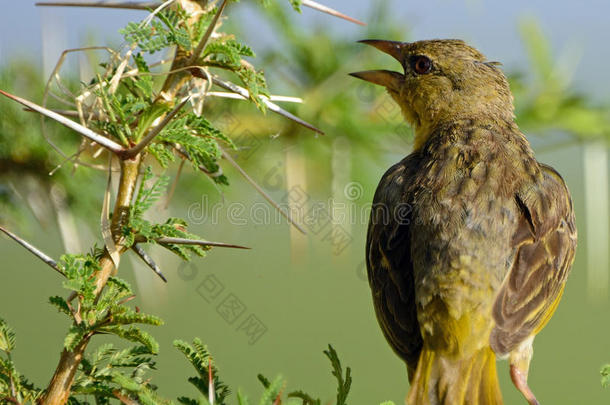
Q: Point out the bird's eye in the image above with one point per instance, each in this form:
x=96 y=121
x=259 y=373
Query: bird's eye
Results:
x=422 y=65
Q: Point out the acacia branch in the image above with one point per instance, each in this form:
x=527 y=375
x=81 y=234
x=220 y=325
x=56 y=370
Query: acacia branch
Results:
x=58 y=391
x=84 y=131
x=59 y=388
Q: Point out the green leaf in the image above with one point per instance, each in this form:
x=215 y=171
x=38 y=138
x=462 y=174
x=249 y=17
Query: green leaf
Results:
x=148 y=117
x=119 y=284
x=75 y=336
x=176 y=227
x=134 y=334
x=79 y=270
x=264 y=380
x=163 y=153
x=199 y=139
x=147 y=196
x=306 y=398
x=271 y=392
x=242 y=399
x=605 y=373
x=255 y=83
x=136 y=317
x=343 y=384
x=144 y=81
x=227 y=53
x=188 y=401
x=200 y=359
x=61 y=304
x=296 y=4
x=125 y=382
x=150 y=38
x=7 y=337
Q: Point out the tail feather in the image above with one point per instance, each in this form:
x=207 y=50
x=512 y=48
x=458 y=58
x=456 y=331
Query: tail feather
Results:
x=440 y=380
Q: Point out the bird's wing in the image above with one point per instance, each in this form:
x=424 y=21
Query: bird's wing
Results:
x=544 y=246
x=388 y=257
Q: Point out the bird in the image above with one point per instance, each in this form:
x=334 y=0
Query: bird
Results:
x=470 y=239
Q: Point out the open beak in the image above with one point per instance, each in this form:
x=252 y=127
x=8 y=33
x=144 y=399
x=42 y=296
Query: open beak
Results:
x=386 y=78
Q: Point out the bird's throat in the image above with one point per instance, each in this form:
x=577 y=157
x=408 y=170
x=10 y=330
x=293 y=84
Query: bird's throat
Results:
x=422 y=133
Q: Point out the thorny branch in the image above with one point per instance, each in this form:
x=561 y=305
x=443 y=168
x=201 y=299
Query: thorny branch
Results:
x=59 y=388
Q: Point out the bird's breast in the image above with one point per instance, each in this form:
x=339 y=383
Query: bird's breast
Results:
x=463 y=222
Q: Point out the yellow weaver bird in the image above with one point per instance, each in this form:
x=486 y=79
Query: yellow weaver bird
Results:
x=471 y=239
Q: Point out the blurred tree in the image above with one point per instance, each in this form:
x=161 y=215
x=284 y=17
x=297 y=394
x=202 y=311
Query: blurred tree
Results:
x=545 y=99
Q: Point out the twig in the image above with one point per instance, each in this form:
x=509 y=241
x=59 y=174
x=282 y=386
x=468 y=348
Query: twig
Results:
x=224 y=94
x=86 y=132
x=105 y=224
x=158 y=8
x=55 y=75
x=181 y=241
x=145 y=5
x=116 y=78
x=131 y=5
x=262 y=192
x=10 y=399
x=75 y=312
x=10 y=375
x=124 y=399
x=211 y=388
x=36 y=252
x=272 y=106
x=149 y=261
x=127 y=299
x=208 y=33
x=328 y=10
x=178 y=148
x=65 y=113
x=131 y=152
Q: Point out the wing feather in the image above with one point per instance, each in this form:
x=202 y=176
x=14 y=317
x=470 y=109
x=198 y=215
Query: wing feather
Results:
x=545 y=242
x=389 y=265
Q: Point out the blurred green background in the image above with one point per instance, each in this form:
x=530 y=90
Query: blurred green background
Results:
x=305 y=291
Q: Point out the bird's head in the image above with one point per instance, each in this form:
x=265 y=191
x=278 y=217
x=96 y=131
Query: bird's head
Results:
x=442 y=80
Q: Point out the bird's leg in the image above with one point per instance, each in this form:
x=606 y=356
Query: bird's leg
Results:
x=520 y=380
x=519 y=369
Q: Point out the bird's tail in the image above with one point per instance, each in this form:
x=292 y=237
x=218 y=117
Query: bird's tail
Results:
x=440 y=380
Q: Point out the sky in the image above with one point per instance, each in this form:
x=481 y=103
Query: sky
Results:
x=578 y=31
